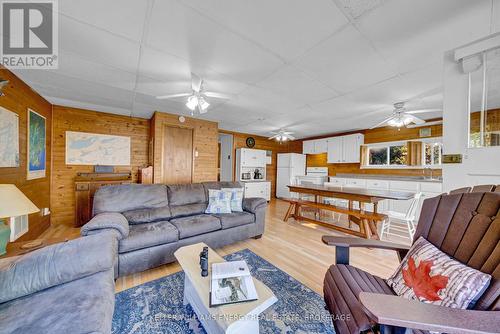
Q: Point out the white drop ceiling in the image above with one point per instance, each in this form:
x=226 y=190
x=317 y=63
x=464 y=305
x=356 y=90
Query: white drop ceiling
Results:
x=312 y=67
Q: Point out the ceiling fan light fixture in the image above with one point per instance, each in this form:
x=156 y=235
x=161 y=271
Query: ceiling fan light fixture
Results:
x=192 y=102
x=203 y=103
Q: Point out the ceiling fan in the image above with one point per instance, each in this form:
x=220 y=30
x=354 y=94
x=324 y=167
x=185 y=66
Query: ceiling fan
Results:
x=197 y=98
x=282 y=135
x=401 y=117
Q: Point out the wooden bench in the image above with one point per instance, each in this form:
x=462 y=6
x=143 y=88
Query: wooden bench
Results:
x=367 y=219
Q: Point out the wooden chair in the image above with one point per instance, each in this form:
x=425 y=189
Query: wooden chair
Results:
x=361 y=302
x=461 y=190
x=483 y=188
x=409 y=218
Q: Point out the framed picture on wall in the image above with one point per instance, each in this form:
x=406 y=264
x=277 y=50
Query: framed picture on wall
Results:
x=36 y=162
x=9 y=138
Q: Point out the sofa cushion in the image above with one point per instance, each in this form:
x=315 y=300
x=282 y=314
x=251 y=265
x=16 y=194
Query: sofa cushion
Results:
x=234 y=219
x=220 y=185
x=218 y=201
x=177 y=211
x=148 y=235
x=182 y=194
x=147 y=215
x=125 y=197
x=341 y=288
x=428 y=275
x=236 y=198
x=195 y=225
x=82 y=306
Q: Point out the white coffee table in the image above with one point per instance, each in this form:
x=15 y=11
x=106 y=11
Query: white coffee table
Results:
x=232 y=318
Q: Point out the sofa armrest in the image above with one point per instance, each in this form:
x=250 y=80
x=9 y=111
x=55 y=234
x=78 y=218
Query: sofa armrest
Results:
x=401 y=312
x=342 y=245
x=252 y=204
x=107 y=221
x=56 y=264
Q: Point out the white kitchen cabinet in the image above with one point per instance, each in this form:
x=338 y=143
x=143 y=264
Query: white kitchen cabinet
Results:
x=251 y=157
x=428 y=190
x=334 y=152
x=308 y=147
x=321 y=145
x=345 y=149
x=316 y=146
x=337 y=181
x=352 y=148
x=258 y=189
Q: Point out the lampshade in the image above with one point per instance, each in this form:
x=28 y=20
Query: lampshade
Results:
x=14 y=203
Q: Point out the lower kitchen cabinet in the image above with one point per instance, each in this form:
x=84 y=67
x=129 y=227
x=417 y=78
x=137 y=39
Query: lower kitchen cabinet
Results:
x=428 y=189
x=258 y=189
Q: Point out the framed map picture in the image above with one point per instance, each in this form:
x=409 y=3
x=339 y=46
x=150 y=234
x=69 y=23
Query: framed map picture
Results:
x=9 y=138
x=36 y=145
x=95 y=149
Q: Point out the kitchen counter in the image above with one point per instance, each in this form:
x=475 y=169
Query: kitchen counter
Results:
x=389 y=177
x=254 y=180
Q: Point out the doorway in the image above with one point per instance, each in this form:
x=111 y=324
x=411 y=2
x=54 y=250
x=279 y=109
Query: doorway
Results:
x=225 y=157
x=177 y=155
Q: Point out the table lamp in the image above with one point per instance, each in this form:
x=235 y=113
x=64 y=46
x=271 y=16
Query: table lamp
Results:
x=13 y=203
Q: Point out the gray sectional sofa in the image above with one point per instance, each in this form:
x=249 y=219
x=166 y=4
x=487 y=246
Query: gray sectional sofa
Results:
x=152 y=221
x=63 y=288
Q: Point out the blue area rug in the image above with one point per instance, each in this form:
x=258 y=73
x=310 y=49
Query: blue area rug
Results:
x=156 y=306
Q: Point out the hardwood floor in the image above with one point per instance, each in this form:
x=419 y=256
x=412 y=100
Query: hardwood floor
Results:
x=295 y=248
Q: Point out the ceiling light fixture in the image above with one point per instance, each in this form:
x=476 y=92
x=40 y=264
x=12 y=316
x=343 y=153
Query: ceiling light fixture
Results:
x=192 y=102
x=282 y=135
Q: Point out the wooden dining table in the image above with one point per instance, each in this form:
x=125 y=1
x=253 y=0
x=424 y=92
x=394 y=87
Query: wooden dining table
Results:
x=351 y=194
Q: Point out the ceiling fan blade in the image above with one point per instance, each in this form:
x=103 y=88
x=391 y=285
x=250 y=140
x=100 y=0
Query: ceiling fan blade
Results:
x=218 y=95
x=416 y=120
x=172 y=96
x=290 y=137
x=275 y=136
x=196 y=82
x=383 y=122
x=422 y=111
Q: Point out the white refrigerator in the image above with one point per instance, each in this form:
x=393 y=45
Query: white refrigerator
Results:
x=290 y=165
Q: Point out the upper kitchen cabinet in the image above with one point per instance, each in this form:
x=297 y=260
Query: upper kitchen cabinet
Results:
x=345 y=149
x=251 y=157
x=335 y=150
x=315 y=146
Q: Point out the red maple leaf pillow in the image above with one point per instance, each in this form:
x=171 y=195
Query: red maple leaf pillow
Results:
x=429 y=275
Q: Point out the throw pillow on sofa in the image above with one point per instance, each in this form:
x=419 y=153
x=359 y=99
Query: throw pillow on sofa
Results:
x=429 y=275
x=218 y=201
x=236 y=198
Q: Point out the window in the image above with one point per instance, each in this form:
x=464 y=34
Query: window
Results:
x=390 y=155
x=484 y=98
x=432 y=154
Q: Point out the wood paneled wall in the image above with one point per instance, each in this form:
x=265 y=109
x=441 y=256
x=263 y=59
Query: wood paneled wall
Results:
x=378 y=135
x=261 y=143
x=72 y=119
x=205 y=143
x=18 y=98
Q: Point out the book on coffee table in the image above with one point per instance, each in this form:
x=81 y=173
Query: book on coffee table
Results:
x=231 y=282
